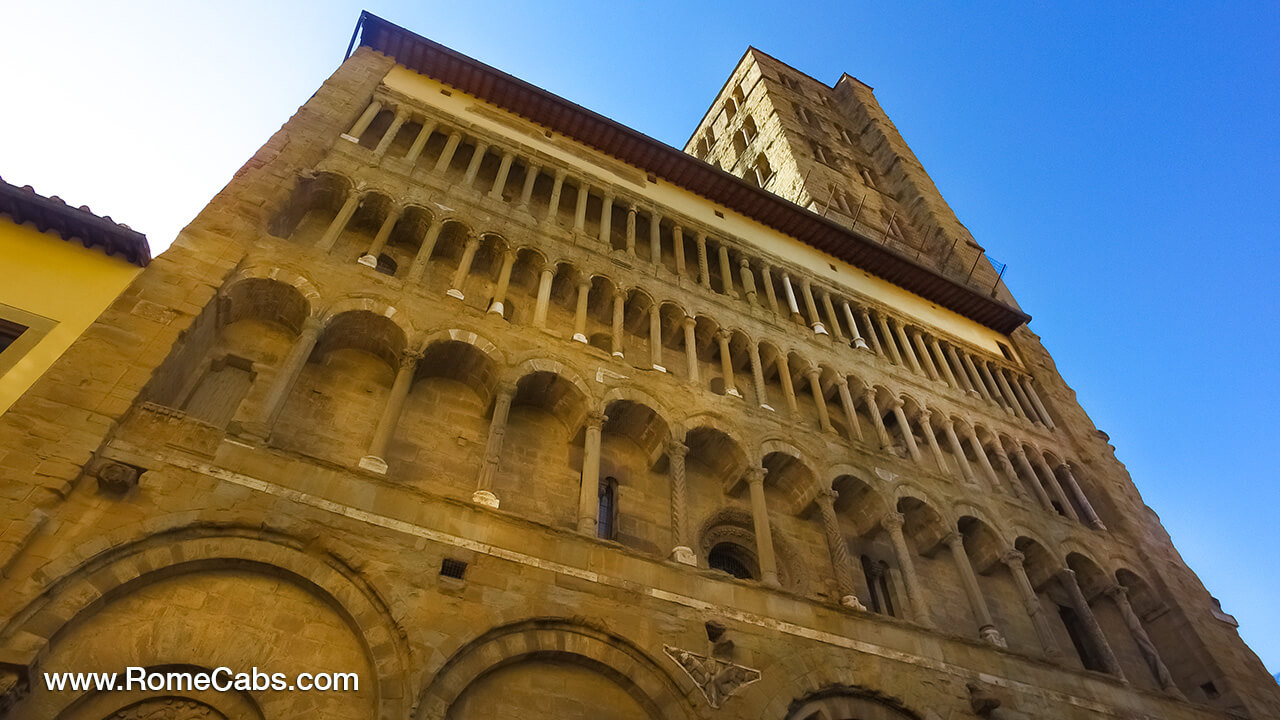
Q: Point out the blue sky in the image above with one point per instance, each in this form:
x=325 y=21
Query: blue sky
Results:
x=1121 y=158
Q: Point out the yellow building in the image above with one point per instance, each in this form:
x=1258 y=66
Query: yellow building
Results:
x=62 y=267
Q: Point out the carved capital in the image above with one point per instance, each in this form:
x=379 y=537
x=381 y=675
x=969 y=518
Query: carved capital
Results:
x=756 y=475
x=505 y=390
x=1012 y=558
x=596 y=419
x=1117 y=592
x=676 y=448
x=953 y=538
x=892 y=521
x=410 y=358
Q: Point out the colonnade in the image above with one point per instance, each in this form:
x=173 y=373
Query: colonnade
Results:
x=691 y=252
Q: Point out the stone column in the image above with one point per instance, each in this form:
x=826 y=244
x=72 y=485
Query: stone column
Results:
x=769 y=293
x=553 y=204
x=869 y=397
x=326 y=241
x=504 y=282
x=908 y=437
x=990 y=382
x=1067 y=578
x=834 y=321
x=655 y=238
x=619 y=314
x=580 y=210
x=986 y=626
x=704 y=269
x=1036 y=485
x=726 y=364
x=423 y=256
x=1120 y=596
x=420 y=142
x=840 y=560
x=926 y=361
x=941 y=361
x=370 y=258
x=376 y=458
x=580 y=316
x=1030 y=387
x=682 y=552
x=500 y=181
x=948 y=429
x=363 y=122
x=757 y=376
x=631 y=230
x=493 y=446
x=446 y=155
x=526 y=190
x=1009 y=395
x=791 y=298
x=726 y=271
x=655 y=337
x=589 y=493
x=858 y=342
x=806 y=289
x=1055 y=490
x=889 y=342
x=871 y=331
x=260 y=428
x=473 y=167
x=393 y=129
x=788 y=390
x=606 y=219
x=908 y=351
x=916 y=599
x=927 y=428
x=1010 y=474
x=981 y=454
x=1023 y=401
x=543 y=301
x=748 y=282
x=464 y=267
x=691 y=349
x=677 y=248
x=819 y=400
x=1090 y=516
x=760 y=519
x=977 y=378
x=1013 y=559
x=850 y=414
x=960 y=373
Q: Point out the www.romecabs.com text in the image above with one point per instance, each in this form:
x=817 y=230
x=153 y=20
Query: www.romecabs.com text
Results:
x=221 y=679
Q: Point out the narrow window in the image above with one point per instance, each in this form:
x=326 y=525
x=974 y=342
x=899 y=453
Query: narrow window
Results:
x=876 y=574
x=607 y=512
x=749 y=128
x=1075 y=628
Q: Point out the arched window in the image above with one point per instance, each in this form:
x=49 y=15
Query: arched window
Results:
x=876 y=574
x=607 y=515
x=763 y=172
x=749 y=128
x=733 y=559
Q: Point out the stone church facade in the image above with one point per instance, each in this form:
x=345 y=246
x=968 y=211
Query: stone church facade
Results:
x=516 y=412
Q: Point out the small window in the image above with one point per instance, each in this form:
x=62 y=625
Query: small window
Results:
x=451 y=568
x=607 y=515
x=1075 y=629
x=732 y=559
x=867 y=177
x=386 y=265
x=1004 y=350
x=749 y=128
x=1210 y=690
x=9 y=333
x=876 y=575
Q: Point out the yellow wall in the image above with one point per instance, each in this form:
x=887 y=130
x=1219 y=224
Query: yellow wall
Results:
x=60 y=280
x=604 y=168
